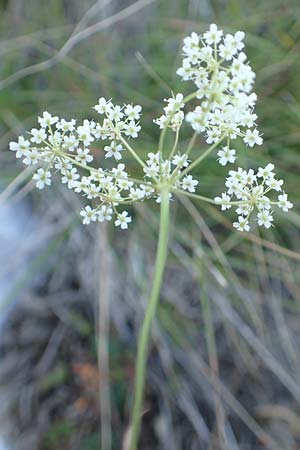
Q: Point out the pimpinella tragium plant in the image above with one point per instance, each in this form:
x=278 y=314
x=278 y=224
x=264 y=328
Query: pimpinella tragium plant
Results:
x=221 y=81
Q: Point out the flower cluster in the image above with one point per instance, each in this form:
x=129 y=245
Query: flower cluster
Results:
x=173 y=115
x=219 y=69
x=117 y=121
x=169 y=172
x=61 y=145
x=249 y=192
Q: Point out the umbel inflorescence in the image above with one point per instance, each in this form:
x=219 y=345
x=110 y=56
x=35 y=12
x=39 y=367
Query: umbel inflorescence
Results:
x=224 y=111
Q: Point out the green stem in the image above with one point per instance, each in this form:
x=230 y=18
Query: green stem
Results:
x=194 y=196
x=161 y=140
x=212 y=201
x=190 y=97
x=201 y=157
x=175 y=144
x=133 y=153
x=144 y=337
x=191 y=143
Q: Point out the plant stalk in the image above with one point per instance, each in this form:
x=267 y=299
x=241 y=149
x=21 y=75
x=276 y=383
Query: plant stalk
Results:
x=144 y=336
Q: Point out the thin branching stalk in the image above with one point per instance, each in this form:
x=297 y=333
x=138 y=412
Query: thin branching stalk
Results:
x=203 y=156
x=143 y=342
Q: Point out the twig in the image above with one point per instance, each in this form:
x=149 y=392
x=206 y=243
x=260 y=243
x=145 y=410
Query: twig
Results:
x=73 y=41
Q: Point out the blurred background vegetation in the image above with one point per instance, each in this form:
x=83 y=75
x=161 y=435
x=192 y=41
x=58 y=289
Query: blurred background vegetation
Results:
x=224 y=365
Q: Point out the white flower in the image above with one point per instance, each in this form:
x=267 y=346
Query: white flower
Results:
x=70 y=177
x=213 y=136
x=250 y=177
x=103 y=106
x=152 y=171
x=84 y=133
x=186 y=71
x=62 y=165
x=274 y=184
x=132 y=129
x=213 y=36
x=252 y=137
x=244 y=210
x=197 y=119
x=180 y=160
x=265 y=218
x=38 y=135
x=266 y=172
x=153 y=158
x=189 y=184
x=123 y=220
x=250 y=190
x=177 y=120
x=89 y=215
x=104 y=213
x=115 y=113
x=21 y=147
x=119 y=171
x=283 y=202
x=124 y=185
x=227 y=50
x=66 y=126
x=172 y=116
x=137 y=194
x=47 y=120
x=133 y=112
x=83 y=156
x=227 y=104
x=237 y=40
x=226 y=155
x=91 y=190
x=223 y=201
x=242 y=224
x=162 y=121
x=82 y=185
x=42 y=178
x=263 y=202
x=31 y=157
x=174 y=103
x=70 y=142
x=113 y=150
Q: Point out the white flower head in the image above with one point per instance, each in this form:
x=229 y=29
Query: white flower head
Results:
x=213 y=36
x=224 y=110
x=242 y=224
x=113 y=150
x=284 y=203
x=89 y=215
x=47 y=120
x=21 y=147
x=189 y=184
x=226 y=155
x=133 y=112
x=38 y=136
x=252 y=137
x=224 y=201
x=265 y=218
x=123 y=220
x=103 y=106
x=42 y=178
